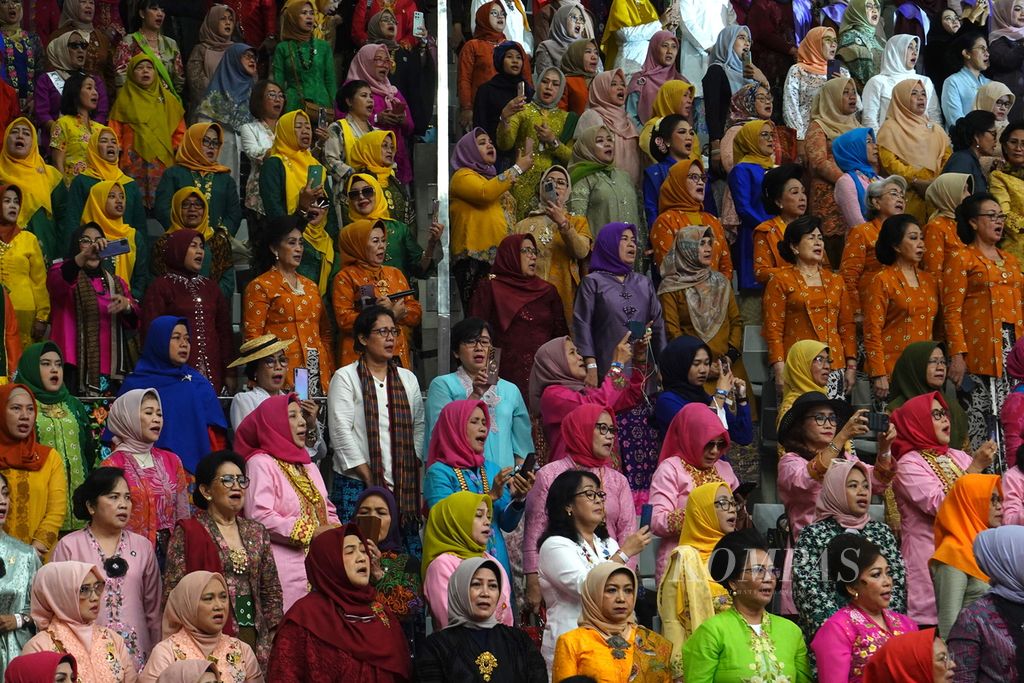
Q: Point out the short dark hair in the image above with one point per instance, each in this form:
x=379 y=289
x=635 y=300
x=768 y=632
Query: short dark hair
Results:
x=847 y=557
x=463 y=331
x=795 y=232
x=968 y=210
x=206 y=470
x=561 y=495
x=348 y=91
x=1011 y=128
x=136 y=22
x=272 y=231
x=890 y=236
x=774 y=183
x=100 y=482
x=367 y=318
x=730 y=555
x=256 y=96
x=970 y=125
x=665 y=128
x=72 y=90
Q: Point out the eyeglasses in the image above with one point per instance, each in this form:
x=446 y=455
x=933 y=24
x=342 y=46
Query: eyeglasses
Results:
x=279 y=361
x=532 y=251
x=78 y=45
x=191 y=204
x=719 y=445
x=895 y=194
x=604 y=429
x=482 y=342
x=992 y=132
x=87 y=240
x=274 y=95
x=993 y=216
x=592 y=495
x=821 y=360
x=385 y=332
x=725 y=504
x=86 y=592
x=365 y=193
x=940 y=362
x=759 y=572
x=229 y=480
x=822 y=419
x=939 y=413
x=945 y=659
x=211 y=143
x=763 y=99
x=695 y=177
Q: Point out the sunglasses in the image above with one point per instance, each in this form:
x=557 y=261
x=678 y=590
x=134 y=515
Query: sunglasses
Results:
x=365 y=193
x=77 y=45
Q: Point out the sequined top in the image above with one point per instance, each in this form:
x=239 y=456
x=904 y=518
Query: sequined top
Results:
x=849 y=638
x=20 y=562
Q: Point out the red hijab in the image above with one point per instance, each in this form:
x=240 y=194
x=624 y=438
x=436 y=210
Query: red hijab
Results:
x=906 y=658
x=691 y=430
x=914 y=428
x=345 y=615
x=15 y=453
x=266 y=430
x=176 y=249
x=512 y=290
x=448 y=443
x=578 y=434
x=37 y=667
x=484 y=29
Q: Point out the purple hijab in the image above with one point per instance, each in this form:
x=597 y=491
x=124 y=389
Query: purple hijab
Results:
x=467 y=155
x=393 y=541
x=605 y=255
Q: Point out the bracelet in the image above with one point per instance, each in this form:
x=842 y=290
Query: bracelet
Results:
x=834 y=448
x=623 y=556
x=519 y=171
x=617 y=364
x=722 y=392
x=591 y=366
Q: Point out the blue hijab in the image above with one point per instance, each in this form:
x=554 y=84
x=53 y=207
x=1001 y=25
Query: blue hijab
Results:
x=605 y=255
x=189 y=401
x=851 y=155
x=723 y=55
x=226 y=99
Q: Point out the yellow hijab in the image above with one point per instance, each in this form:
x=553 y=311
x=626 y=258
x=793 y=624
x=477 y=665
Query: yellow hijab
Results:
x=796 y=377
x=380 y=207
x=296 y=162
x=190 y=152
x=153 y=113
x=366 y=155
x=32 y=175
x=352 y=242
x=667 y=102
x=98 y=167
x=114 y=228
x=624 y=14
x=701 y=529
x=177 y=222
x=745 y=148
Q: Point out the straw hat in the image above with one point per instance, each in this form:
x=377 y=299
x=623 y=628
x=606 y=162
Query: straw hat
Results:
x=260 y=347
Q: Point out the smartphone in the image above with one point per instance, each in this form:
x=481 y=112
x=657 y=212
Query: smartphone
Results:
x=548 y=191
x=521 y=89
x=492 y=366
x=637 y=330
x=369 y=527
x=302 y=383
x=878 y=422
x=419 y=26
x=646 y=511
x=367 y=297
x=724 y=360
x=115 y=248
x=315 y=176
x=401 y=295
x=435 y=211
x=398 y=107
x=744 y=489
x=747 y=58
x=529 y=463
x=992 y=427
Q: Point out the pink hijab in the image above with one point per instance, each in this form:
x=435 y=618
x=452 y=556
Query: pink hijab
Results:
x=448 y=443
x=578 y=434
x=266 y=430
x=600 y=100
x=832 y=497
x=125 y=421
x=691 y=430
x=55 y=597
x=652 y=76
x=182 y=610
x=363 y=69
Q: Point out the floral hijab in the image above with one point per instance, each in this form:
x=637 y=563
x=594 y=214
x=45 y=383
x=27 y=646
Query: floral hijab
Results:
x=707 y=292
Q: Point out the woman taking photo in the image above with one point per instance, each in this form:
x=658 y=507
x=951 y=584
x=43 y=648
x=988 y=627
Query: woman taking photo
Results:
x=340 y=630
x=833 y=113
x=601 y=190
x=609 y=643
x=217 y=539
x=194 y=622
x=132 y=608
x=745 y=639
x=288 y=495
x=901 y=301
x=575 y=541
x=498 y=97
x=105 y=207
x=66 y=599
x=785 y=199
x=941 y=242
x=730 y=69
x=467 y=646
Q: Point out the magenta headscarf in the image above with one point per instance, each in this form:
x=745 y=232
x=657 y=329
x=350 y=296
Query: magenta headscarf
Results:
x=693 y=428
x=832 y=497
x=362 y=69
x=1015 y=362
x=578 y=434
x=467 y=155
x=652 y=76
x=266 y=430
x=448 y=443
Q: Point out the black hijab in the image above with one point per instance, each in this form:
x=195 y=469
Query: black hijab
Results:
x=675 y=361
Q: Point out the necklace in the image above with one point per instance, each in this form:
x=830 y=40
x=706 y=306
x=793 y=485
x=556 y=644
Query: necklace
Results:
x=307 y=63
x=588 y=557
x=486 y=663
x=944 y=468
x=474 y=476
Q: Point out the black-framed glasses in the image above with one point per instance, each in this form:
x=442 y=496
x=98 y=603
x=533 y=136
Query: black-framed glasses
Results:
x=532 y=251
x=211 y=143
x=385 y=332
x=482 y=342
x=592 y=495
x=939 y=413
x=229 y=480
x=192 y=204
x=941 y=362
x=279 y=361
x=998 y=217
x=721 y=444
x=822 y=419
x=605 y=430
x=366 y=193
x=78 y=45
x=725 y=504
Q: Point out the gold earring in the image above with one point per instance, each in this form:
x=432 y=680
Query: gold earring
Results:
x=856 y=595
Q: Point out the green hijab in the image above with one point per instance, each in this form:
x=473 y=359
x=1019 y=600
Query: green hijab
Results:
x=908 y=381
x=584 y=155
x=449 y=527
x=28 y=373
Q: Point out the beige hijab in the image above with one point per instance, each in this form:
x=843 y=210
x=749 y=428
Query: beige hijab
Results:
x=946 y=192
x=592 y=595
x=826 y=111
x=912 y=137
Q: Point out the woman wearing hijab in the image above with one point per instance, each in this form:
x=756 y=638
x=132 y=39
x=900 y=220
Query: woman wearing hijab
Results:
x=474 y=641
x=287 y=494
x=149 y=121
x=941 y=242
x=915 y=657
x=673 y=98
x=901 y=53
x=21 y=562
x=606 y=108
x=691 y=455
x=497 y=99
x=150 y=40
x=609 y=643
x=226 y=100
x=66 y=600
x=41 y=194
x=807 y=76
x=921 y=369
x=687 y=596
x=362 y=248
x=414 y=70
x=681 y=204
x=340 y=630
x=841 y=508
x=77 y=16
x=459 y=528
x=1005 y=41
x=995 y=97
x=182 y=291
x=42 y=667
x=65 y=55
x=374 y=153
x=628 y=31
x=580 y=63
x=928 y=467
x=808 y=367
x=215 y=36
x=372 y=64
x=302 y=63
x=753 y=152
x=190 y=404
x=658 y=69
x=973 y=504
x=476 y=58
x=62 y=421
x=190 y=212
x=551 y=129
x=22 y=269
x=194 y=621
x=858 y=40
x=602 y=191
x=563 y=240
x=856 y=155
x=832 y=113
x=725 y=76
x=984 y=641
x=523 y=310
x=105 y=207
x=570 y=22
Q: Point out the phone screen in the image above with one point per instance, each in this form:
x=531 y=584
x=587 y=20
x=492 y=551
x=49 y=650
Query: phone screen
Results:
x=646 y=512
x=302 y=383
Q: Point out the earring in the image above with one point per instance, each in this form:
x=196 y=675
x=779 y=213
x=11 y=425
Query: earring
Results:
x=856 y=595
x=277 y=256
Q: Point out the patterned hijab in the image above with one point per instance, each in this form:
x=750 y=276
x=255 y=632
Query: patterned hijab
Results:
x=708 y=292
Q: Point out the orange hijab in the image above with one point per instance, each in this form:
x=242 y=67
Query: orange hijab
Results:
x=674 y=195
x=811 y=53
x=352 y=242
x=961 y=517
x=15 y=453
x=190 y=152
